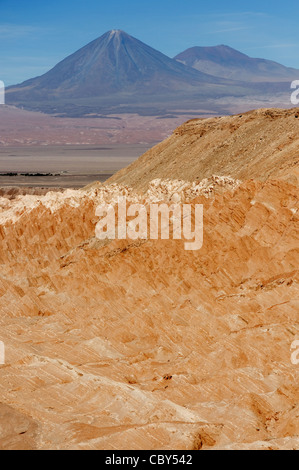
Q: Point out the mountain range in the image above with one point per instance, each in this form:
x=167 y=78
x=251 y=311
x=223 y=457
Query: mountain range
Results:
x=117 y=73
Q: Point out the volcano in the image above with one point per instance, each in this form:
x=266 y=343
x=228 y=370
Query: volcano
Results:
x=116 y=62
x=114 y=69
x=117 y=73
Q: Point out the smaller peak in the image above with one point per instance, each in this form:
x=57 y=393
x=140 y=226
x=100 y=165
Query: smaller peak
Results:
x=218 y=47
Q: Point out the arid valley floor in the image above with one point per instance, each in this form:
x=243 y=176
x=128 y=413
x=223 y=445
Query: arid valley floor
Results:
x=141 y=344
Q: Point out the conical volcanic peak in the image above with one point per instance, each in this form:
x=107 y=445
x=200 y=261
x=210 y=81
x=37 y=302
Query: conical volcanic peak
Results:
x=115 y=62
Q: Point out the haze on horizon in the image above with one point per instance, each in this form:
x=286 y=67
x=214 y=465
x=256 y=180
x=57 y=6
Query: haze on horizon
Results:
x=36 y=35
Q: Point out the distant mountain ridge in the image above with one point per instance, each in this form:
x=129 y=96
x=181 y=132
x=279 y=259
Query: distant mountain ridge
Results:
x=226 y=62
x=117 y=73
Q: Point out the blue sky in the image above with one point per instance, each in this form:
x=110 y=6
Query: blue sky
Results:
x=35 y=35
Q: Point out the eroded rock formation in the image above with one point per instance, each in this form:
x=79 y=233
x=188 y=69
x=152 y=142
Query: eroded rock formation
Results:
x=141 y=344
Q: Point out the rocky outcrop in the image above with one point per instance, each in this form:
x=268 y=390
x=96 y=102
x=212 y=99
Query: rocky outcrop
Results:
x=260 y=144
x=143 y=345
